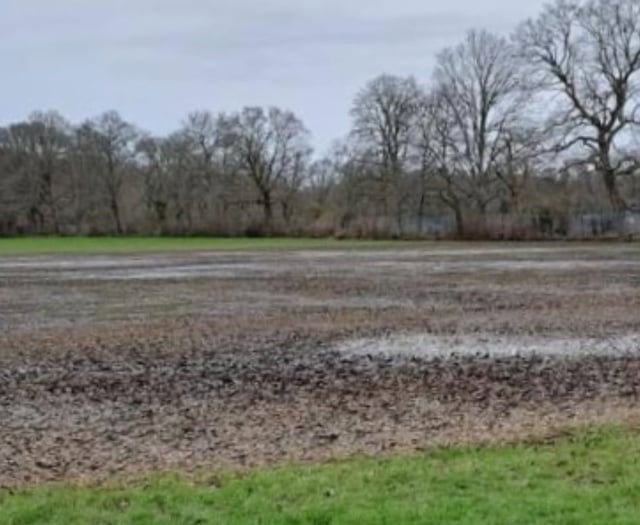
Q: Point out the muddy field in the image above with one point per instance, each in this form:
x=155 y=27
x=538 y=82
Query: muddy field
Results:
x=126 y=365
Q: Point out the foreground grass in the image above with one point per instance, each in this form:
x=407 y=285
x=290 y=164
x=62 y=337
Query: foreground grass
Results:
x=592 y=477
x=106 y=245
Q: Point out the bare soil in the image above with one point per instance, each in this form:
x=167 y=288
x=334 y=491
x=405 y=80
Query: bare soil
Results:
x=126 y=365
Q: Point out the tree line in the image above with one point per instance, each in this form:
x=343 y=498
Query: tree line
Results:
x=512 y=137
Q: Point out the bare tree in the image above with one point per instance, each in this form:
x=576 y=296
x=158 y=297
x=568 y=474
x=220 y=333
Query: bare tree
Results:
x=110 y=140
x=272 y=148
x=208 y=135
x=52 y=142
x=438 y=155
x=384 y=114
x=19 y=146
x=520 y=158
x=384 y=118
x=324 y=176
x=155 y=160
x=479 y=82
x=173 y=186
x=586 y=59
x=34 y=153
x=12 y=177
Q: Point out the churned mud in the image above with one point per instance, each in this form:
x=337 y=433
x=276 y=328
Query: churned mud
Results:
x=126 y=365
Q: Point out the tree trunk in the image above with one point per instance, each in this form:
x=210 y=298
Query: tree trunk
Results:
x=453 y=203
x=115 y=210
x=399 y=218
x=47 y=178
x=36 y=220
x=460 y=231
x=54 y=219
x=267 y=208
x=287 y=212
x=482 y=219
x=421 y=206
x=615 y=198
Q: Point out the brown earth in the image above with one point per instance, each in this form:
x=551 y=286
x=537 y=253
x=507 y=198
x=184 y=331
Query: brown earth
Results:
x=128 y=365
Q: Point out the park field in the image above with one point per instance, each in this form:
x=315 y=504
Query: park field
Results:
x=279 y=381
x=587 y=477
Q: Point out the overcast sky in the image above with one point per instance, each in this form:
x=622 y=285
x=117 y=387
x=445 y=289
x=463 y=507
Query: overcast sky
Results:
x=156 y=60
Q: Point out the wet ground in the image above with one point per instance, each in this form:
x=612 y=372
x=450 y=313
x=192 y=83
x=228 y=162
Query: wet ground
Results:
x=130 y=364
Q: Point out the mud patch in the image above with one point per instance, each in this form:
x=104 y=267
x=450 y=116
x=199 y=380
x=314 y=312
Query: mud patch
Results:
x=129 y=364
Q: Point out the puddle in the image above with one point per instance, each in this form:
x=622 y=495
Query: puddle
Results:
x=431 y=346
x=501 y=266
x=190 y=271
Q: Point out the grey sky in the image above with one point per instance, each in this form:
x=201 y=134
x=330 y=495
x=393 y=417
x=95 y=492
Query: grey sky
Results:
x=156 y=60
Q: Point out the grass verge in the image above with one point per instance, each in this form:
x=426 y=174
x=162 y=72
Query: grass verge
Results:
x=591 y=477
x=108 y=245
x=115 y=245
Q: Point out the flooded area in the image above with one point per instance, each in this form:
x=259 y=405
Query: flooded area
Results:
x=426 y=346
x=125 y=364
x=59 y=291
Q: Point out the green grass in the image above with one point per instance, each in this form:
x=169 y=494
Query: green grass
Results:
x=115 y=245
x=108 y=245
x=590 y=478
